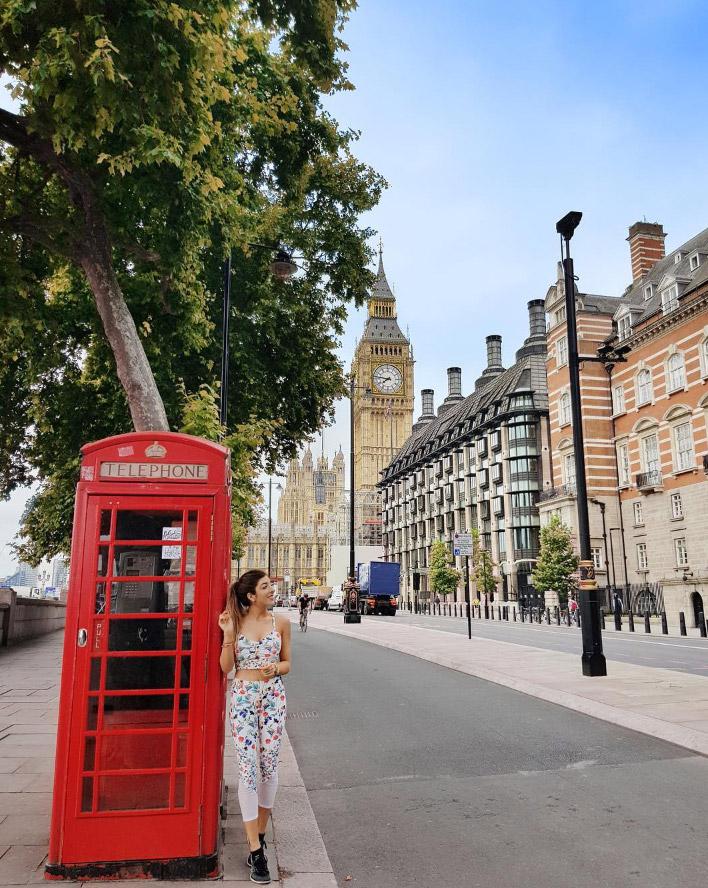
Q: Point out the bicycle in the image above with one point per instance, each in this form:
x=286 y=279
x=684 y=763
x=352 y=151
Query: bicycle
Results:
x=303 y=621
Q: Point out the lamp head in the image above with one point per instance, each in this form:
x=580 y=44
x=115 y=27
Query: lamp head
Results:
x=282 y=265
x=567 y=225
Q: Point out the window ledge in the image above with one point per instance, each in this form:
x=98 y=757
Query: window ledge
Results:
x=639 y=525
x=617 y=415
x=689 y=470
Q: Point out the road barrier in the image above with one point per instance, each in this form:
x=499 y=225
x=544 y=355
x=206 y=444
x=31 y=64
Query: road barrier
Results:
x=506 y=612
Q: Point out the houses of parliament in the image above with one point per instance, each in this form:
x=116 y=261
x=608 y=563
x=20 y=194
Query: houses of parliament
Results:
x=312 y=522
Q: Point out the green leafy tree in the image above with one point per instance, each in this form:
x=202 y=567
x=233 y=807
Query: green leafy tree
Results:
x=153 y=139
x=483 y=567
x=444 y=578
x=557 y=561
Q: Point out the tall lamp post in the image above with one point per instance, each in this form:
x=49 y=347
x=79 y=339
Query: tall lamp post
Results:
x=270 y=521
x=593 y=659
x=351 y=614
x=282 y=267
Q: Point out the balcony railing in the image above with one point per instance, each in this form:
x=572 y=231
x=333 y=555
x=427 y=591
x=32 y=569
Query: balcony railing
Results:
x=555 y=492
x=649 y=480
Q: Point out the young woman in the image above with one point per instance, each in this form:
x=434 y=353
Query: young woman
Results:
x=258 y=644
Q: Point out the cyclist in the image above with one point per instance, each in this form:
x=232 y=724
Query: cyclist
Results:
x=304 y=605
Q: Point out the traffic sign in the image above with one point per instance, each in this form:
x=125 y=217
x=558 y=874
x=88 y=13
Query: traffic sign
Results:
x=462 y=544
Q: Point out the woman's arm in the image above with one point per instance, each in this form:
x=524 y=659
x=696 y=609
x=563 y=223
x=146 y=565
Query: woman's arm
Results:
x=227 y=659
x=282 y=624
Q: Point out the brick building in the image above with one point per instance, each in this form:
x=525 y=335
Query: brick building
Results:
x=645 y=413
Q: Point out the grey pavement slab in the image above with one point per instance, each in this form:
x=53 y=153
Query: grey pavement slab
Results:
x=28 y=718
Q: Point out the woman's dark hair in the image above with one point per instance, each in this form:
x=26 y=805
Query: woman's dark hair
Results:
x=238 y=601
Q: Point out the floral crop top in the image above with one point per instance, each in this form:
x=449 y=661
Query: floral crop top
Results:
x=256 y=654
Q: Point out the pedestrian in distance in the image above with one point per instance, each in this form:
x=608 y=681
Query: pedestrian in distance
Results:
x=617 y=603
x=257 y=644
x=573 y=609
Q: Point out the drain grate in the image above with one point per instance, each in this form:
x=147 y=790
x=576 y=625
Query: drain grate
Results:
x=309 y=713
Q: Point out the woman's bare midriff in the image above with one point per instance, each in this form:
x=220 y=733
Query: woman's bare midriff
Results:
x=249 y=675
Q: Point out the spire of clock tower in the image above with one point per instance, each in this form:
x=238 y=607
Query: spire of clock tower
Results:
x=383 y=400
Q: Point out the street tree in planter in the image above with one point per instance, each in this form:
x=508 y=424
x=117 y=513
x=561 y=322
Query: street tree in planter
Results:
x=444 y=578
x=557 y=560
x=483 y=568
x=149 y=141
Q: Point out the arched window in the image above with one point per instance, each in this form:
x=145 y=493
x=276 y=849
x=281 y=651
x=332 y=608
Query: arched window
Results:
x=564 y=414
x=704 y=357
x=676 y=374
x=645 y=390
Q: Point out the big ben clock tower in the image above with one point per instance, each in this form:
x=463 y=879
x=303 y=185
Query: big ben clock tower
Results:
x=383 y=363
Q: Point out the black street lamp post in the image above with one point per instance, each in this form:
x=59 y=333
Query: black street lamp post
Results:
x=270 y=524
x=351 y=596
x=593 y=659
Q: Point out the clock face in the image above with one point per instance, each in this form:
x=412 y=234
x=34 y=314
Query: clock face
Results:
x=388 y=379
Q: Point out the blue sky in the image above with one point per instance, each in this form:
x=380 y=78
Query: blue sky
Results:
x=490 y=121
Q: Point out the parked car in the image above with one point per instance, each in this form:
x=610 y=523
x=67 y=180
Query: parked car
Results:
x=336 y=600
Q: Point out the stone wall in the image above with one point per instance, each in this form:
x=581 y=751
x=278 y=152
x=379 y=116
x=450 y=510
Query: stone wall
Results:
x=22 y=618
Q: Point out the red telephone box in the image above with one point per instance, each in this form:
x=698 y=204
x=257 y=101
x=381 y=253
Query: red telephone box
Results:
x=139 y=757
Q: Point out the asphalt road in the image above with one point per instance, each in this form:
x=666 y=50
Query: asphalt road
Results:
x=664 y=651
x=421 y=775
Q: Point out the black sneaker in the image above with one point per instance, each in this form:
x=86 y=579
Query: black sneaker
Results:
x=264 y=845
x=259 y=868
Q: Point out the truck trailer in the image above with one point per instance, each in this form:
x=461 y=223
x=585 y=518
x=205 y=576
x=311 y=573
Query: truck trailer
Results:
x=379 y=587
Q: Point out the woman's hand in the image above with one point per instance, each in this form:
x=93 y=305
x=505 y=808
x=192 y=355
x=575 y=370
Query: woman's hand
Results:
x=269 y=671
x=226 y=624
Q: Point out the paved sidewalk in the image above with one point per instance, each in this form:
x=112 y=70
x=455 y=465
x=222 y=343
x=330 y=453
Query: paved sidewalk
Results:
x=662 y=703
x=29 y=688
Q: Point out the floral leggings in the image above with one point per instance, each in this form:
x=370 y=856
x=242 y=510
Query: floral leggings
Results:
x=257 y=716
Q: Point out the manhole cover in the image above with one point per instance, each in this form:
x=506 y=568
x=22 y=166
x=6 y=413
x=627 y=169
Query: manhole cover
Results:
x=307 y=714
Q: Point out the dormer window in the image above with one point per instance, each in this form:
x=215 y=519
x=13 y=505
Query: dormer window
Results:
x=695 y=261
x=669 y=299
x=677 y=258
x=648 y=292
x=624 y=327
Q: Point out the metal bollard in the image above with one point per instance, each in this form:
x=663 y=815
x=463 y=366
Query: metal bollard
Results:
x=602 y=619
x=577 y=613
x=682 y=623
x=486 y=611
x=491 y=611
x=702 y=624
x=540 y=616
x=522 y=614
x=513 y=613
x=630 y=619
x=664 y=624
x=618 y=621
x=567 y=617
x=647 y=624
x=548 y=616
x=499 y=612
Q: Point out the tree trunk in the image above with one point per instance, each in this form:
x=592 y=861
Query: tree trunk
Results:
x=134 y=371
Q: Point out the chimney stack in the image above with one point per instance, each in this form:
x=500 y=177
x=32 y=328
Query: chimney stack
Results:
x=427 y=398
x=537 y=317
x=494 y=352
x=454 y=383
x=646 y=247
